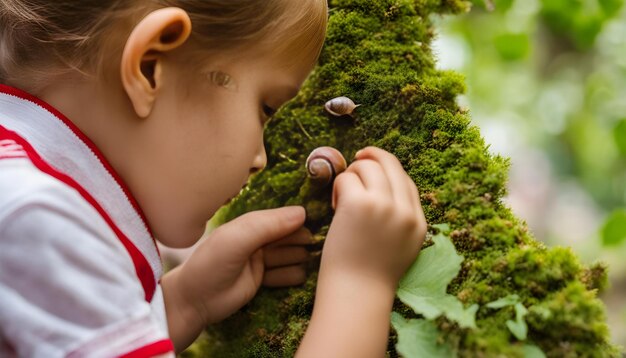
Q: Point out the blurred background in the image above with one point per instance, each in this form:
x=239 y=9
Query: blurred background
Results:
x=547 y=86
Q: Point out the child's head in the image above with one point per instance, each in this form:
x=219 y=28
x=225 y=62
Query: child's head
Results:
x=183 y=86
x=40 y=38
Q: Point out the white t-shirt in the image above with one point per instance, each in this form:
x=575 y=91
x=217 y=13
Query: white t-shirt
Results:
x=79 y=269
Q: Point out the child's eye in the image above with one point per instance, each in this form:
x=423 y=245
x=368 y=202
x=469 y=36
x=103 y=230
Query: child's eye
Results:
x=268 y=111
x=222 y=79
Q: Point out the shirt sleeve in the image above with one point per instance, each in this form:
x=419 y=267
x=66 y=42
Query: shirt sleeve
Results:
x=67 y=285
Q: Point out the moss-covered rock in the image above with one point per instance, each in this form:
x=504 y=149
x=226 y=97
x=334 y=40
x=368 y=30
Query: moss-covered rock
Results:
x=378 y=53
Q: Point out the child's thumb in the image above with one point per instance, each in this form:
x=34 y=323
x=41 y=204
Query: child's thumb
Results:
x=256 y=229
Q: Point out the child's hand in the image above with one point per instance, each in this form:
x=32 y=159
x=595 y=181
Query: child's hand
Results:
x=377 y=231
x=284 y=259
x=226 y=270
x=379 y=224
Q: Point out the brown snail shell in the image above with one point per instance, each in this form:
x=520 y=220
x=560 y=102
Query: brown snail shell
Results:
x=324 y=164
x=341 y=106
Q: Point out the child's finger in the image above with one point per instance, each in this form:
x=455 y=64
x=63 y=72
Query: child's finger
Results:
x=372 y=175
x=346 y=184
x=419 y=211
x=393 y=169
x=414 y=196
x=256 y=229
x=285 y=276
x=285 y=256
x=302 y=236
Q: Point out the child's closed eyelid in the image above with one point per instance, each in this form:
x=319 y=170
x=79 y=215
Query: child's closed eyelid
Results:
x=223 y=79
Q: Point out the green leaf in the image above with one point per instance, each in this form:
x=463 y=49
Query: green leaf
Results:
x=519 y=327
x=509 y=300
x=512 y=47
x=423 y=288
x=611 y=7
x=619 y=135
x=443 y=228
x=418 y=338
x=541 y=311
x=532 y=351
x=614 y=229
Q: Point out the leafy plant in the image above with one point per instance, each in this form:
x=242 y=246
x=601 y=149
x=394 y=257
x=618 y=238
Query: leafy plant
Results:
x=424 y=287
x=418 y=338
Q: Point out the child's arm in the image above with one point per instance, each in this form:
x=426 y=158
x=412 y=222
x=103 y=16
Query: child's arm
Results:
x=226 y=270
x=376 y=234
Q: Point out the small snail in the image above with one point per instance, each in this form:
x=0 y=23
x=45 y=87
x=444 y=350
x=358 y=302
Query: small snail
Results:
x=324 y=164
x=341 y=106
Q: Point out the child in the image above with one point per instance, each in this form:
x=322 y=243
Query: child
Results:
x=120 y=122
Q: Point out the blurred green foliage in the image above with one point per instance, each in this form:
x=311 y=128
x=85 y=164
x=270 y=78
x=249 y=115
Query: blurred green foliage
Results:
x=614 y=230
x=580 y=21
x=554 y=72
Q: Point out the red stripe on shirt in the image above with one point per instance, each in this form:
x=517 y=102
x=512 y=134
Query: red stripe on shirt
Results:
x=28 y=97
x=151 y=350
x=142 y=267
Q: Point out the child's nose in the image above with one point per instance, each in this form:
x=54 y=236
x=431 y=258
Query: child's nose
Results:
x=260 y=161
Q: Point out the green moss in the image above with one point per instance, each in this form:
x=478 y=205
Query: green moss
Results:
x=595 y=277
x=576 y=308
x=378 y=53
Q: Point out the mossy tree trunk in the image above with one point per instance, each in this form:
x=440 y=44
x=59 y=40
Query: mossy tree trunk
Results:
x=378 y=53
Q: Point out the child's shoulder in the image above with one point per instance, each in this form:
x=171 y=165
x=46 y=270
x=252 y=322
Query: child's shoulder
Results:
x=63 y=272
x=22 y=185
x=30 y=197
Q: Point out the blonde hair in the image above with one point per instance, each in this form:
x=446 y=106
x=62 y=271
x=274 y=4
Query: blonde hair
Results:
x=42 y=38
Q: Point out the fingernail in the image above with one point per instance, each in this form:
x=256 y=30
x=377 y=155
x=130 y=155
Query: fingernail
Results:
x=358 y=153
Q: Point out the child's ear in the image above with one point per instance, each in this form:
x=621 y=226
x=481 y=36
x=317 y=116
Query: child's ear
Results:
x=160 y=31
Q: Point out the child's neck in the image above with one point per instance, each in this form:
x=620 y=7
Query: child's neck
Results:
x=103 y=114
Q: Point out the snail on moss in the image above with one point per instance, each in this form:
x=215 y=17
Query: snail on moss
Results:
x=341 y=106
x=324 y=164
